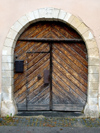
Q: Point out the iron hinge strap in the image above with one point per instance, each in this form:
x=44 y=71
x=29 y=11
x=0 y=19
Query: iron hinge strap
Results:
x=50 y=40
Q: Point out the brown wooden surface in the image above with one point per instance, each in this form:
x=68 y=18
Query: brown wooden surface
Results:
x=69 y=86
x=67 y=90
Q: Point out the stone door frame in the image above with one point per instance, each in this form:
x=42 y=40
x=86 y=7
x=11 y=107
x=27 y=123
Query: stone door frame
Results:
x=8 y=105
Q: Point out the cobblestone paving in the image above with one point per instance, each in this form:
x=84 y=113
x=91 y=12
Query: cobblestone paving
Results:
x=49 y=122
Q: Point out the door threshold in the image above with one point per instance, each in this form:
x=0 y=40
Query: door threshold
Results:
x=50 y=113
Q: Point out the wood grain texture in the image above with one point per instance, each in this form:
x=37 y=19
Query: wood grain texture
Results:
x=69 y=87
x=67 y=90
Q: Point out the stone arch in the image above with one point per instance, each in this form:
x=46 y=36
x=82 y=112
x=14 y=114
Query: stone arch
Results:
x=8 y=105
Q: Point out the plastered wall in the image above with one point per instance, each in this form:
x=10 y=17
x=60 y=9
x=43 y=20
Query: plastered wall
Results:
x=12 y=10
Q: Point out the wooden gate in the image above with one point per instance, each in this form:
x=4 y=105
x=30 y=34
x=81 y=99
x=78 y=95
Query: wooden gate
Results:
x=55 y=68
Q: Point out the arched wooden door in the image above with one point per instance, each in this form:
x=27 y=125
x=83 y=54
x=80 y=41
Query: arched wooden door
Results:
x=55 y=68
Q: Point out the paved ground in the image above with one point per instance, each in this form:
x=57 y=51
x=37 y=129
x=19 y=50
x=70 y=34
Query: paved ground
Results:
x=17 y=129
x=49 y=123
x=41 y=121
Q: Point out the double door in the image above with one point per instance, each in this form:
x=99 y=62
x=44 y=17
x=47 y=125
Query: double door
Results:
x=53 y=79
x=55 y=73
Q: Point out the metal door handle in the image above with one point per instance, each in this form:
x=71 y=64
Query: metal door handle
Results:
x=46 y=77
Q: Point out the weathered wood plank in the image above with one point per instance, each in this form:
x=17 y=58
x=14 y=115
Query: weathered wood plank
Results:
x=82 y=46
x=68 y=107
x=69 y=76
x=66 y=90
x=73 y=59
x=38 y=107
x=75 y=54
x=39 y=97
x=68 y=32
x=21 y=91
x=34 y=30
x=69 y=70
x=70 y=63
x=62 y=96
x=21 y=106
x=78 y=50
x=21 y=98
x=39 y=48
x=67 y=85
x=41 y=58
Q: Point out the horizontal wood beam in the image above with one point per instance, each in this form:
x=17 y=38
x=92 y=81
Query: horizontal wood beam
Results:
x=50 y=40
